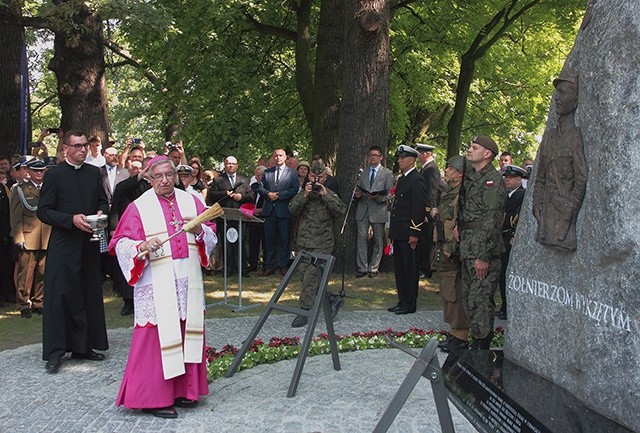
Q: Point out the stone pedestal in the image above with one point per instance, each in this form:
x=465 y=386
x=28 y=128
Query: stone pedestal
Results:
x=573 y=315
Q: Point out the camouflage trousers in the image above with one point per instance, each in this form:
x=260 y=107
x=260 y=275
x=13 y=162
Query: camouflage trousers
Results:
x=477 y=295
x=310 y=276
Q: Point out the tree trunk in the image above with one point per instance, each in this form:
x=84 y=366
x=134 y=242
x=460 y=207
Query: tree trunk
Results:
x=78 y=63
x=454 y=127
x=366 y=97
x=11 y=43
x=328 y=81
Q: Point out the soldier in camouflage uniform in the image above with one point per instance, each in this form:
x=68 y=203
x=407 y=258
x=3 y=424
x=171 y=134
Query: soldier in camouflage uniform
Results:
x=316 y=206
x=482 y=210
x=449 y=269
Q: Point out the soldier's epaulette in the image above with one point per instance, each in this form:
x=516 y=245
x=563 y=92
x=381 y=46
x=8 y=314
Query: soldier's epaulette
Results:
x=415 y=226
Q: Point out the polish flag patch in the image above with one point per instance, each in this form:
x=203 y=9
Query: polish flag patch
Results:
x=489 y=183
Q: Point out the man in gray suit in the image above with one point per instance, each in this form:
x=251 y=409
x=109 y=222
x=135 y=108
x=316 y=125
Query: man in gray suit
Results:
x=373 y=193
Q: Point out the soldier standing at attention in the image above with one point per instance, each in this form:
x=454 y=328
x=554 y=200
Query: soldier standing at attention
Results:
x=405 y=225
x=449 y=269
x=482 y=210
x=31 y=237
x=317 y=207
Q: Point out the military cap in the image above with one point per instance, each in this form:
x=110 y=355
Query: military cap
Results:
x=36 y=164
x=317 y=167
x=456 y=162
x=486 y=142
x=514 y=170
x=425 y=147
x=404 y=150
x=566 y=76
x=184 y=169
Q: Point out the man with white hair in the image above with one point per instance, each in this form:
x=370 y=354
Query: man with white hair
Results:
x=231 y=189
x=166 y=365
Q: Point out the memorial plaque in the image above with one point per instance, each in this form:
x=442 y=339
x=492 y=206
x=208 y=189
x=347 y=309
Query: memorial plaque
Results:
x=496 y=395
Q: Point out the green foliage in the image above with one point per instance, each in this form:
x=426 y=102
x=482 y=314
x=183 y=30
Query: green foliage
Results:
x=229 y=89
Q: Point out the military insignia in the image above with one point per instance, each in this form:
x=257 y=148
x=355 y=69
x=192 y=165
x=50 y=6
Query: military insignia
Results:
x=489 y=183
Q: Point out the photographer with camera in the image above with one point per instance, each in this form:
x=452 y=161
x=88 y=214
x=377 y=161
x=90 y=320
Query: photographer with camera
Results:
x=317 y=207
x=175 y=152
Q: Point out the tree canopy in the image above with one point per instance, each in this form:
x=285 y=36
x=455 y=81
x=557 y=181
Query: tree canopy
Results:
x=225 y=75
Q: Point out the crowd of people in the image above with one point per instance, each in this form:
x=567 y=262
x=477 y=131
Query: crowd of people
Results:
x=460 y=225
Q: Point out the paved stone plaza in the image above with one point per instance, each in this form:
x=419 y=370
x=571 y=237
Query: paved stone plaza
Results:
x=80 y=398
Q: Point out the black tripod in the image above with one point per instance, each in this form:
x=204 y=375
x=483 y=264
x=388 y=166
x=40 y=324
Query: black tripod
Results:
x=344 y=224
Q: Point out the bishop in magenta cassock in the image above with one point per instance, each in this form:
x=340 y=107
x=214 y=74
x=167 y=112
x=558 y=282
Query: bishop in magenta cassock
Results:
x=166 y=365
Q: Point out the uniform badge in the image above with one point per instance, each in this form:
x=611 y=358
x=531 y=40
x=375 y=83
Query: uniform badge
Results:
x=489 y=183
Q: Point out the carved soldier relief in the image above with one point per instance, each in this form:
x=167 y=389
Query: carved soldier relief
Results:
x=561 y=179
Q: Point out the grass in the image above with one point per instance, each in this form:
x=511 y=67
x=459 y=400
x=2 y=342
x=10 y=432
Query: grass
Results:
x=362 y=294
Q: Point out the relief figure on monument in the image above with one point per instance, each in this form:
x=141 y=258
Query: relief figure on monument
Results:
x=561 y=179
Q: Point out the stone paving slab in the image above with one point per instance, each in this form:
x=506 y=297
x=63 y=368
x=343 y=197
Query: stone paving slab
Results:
x=80 y=398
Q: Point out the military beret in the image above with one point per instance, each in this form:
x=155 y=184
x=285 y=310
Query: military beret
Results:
x=456 y=162
x=486 y=142
x=425 y=147
x=514 y=170
x=404 y=150
x=184 y=169
x=36 y=164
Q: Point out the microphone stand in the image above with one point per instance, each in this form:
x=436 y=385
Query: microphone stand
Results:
x=344 y=224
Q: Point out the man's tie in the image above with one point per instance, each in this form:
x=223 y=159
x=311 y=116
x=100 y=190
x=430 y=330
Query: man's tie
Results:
x=232 y=180
x=371 y=178
x=277 y=175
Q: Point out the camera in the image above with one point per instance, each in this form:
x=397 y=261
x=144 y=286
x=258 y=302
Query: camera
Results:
x=54 y=130
x=136 y=140
x=172 y=146
x=316 y=187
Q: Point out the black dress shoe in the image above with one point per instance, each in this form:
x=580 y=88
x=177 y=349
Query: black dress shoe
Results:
x=393 y=309
x=38 y=311
x=360 y=274
x=53 y=364
x=25 y=314
x=90 y=355
x=127 y=309
x=267 y=273
x=405 y=311
x=299 y=321
x=163 y=412
x=185 y=402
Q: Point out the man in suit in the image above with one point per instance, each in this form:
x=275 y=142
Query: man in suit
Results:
x=279 y=185
x=431 y=174
x=111 y=173
x=73 y=318
x=406 y=223
x=111 y=176
x=126 y=192
x=373 y=193
x=31 y=237
x=231 y=189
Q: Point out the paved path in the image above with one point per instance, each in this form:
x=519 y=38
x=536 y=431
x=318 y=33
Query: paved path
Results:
x=80 y=398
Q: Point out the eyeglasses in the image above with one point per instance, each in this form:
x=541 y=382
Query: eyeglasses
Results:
x=79 y=146
x=169 y=176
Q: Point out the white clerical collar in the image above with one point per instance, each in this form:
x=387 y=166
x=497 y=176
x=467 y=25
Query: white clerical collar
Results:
x=76 y=166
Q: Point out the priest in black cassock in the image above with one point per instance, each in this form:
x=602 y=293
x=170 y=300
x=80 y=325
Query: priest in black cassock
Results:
x=73 y=318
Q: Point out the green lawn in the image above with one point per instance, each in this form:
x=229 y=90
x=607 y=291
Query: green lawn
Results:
x=363 y=294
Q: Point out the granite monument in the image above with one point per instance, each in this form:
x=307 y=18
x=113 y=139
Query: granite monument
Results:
x=574 y=311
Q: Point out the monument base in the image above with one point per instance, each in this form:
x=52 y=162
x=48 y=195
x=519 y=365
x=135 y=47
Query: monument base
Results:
x=496 y=395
